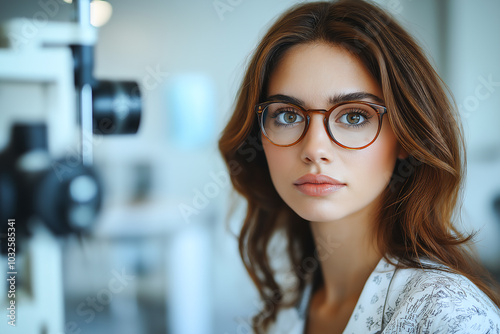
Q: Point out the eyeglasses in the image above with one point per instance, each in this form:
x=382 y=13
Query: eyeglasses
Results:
x=352 y=125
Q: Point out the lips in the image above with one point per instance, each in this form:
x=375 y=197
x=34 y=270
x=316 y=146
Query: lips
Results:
x=318 y=185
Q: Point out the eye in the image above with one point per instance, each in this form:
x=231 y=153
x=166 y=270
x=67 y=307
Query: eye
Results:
x=352 y=118
x=289 y=117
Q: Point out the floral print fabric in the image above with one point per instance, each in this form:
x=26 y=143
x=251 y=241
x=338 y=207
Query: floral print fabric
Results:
x=408 y=301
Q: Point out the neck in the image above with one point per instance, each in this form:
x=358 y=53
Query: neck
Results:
x=348 y=254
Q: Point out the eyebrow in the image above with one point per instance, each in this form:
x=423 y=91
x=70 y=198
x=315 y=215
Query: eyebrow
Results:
x=338 y=98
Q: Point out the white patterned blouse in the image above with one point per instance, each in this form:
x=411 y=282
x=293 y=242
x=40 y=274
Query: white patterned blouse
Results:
x=419 y=301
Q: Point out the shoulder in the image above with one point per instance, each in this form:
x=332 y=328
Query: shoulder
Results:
x=436 y=301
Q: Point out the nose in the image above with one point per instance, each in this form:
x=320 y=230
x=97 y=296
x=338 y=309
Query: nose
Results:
x=317 y=147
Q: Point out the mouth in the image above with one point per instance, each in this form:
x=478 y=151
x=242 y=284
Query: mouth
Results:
x=318 y=185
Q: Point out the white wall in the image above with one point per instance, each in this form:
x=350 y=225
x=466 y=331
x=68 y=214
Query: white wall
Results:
x=473 y=50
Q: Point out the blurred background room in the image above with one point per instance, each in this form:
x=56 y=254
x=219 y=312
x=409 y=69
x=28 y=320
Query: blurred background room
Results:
x=161 y=255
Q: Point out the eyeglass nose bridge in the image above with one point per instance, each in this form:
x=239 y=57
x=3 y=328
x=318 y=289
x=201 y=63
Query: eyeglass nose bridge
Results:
x=326 y=114
x=317 y=111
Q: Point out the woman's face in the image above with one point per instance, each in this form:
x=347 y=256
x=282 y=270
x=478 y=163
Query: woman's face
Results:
x=317 y=73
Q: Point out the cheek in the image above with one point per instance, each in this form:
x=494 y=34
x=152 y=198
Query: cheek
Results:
x=381 y=166
x=380 y=158
x=278 y=160
x=272 y=155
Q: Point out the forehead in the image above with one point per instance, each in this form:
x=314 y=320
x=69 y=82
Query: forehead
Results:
x=314 y=72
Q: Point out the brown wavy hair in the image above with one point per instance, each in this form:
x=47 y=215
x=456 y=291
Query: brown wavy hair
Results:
x=419 y=201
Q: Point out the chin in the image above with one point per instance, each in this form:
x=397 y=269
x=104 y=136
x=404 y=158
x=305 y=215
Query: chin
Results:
x=313 y=213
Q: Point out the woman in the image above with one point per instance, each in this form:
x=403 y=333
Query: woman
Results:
x=344 y=142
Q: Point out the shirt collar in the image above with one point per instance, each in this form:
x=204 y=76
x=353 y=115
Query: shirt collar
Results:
x=368 y=313
x=367 y=316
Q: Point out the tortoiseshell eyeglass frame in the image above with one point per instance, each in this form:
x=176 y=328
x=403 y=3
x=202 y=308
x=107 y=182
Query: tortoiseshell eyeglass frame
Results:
x=379 y=109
